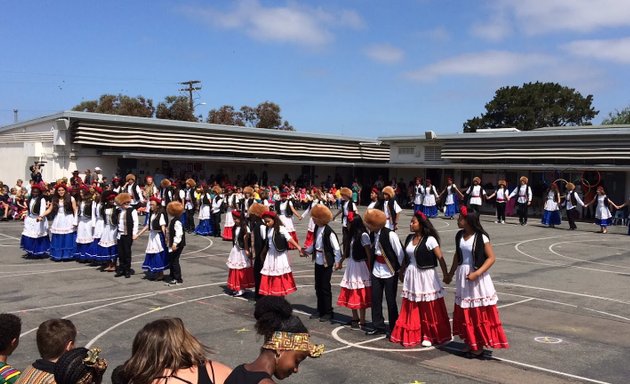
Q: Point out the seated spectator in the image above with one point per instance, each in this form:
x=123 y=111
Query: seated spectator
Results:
x=164 y=349
x=10 y=328
x=80 y=366
x=54 y=338
x=287 y=343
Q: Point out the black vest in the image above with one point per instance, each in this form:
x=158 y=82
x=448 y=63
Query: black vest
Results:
x=288 y=212
x=86 y=211
x=171 y=235
x=239 y=240
x=572 y=198
x=329 y=252
x=425 y=259
x=134 y=192
x=128 y=221
x=350 y=207
x=386 y=248
x=358 y=251
x=155 y=223
x=280 y=243
x=37 y=206
x=479 y=253
x=259 y=241
x=392 y=211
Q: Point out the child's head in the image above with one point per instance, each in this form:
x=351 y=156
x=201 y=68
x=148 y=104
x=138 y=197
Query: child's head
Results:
x=10 y=328
x=54 y=337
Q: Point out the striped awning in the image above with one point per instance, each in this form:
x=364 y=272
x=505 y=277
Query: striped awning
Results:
x=209 y=142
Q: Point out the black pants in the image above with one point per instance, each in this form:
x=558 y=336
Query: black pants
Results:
x=475 y=208
x=500 y=211
x=572 y=214
x=345 y=241
x=124 y=253
x=521 y=209
x=216 y=224
x=190 y=220
x=390 y=286
x=258 y=264
x=176 y=269
x=323 y=289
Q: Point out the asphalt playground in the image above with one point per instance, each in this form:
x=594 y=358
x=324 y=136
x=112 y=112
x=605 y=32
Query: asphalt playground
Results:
x=564 y=300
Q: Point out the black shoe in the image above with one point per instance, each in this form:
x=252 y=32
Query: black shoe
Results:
x=127 y=275
x=377 y=331
x=119 y=273
x=314 y=316
x=326 y=317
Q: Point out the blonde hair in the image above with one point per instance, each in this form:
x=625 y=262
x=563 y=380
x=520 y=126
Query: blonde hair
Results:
x=161 y=348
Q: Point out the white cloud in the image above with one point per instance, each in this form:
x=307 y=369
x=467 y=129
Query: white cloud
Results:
x=614 y=50
x=481 y=64
x=495 y=30
x=292 y=23
x=543 y=16
x=385 y=53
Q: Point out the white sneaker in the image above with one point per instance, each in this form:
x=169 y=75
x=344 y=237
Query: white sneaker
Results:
x=239 y=293
x=502 y=221
x=497 y=221
x=426 y=343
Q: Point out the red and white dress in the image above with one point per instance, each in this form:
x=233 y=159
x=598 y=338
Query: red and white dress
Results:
x=241 y=272
x=356 y=284
x=285 y=213
x=476 y=318
x=423 y=315
x=228 y=226
x=276 y=276
x=311 y=223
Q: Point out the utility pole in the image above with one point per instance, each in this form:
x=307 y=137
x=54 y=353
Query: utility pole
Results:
x=190 y=90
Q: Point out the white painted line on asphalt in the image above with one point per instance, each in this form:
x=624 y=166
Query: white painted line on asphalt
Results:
x=607 y=313
x=91 y=342
x=582 y=260
x=550 y=370
x=515 y=303
x=10 y=237
x=563 y=292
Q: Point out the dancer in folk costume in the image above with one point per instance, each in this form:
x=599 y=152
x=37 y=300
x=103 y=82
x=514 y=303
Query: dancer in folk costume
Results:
x=348 y=207
x=502 y=196
x=156 y=254
x=475 y=194
x=374 y=198
x=134 y=190
x=63 y=210
x=429 y=204
x=176 y=241
x=218 y=206
x=285 y=210
x=258 y=231
x=423 y=318
x=98 y=223
x=418 y=194
x=167 y=192
x=476 y=317
x=277 y=278
x=241 y=271
x=126 y=218
x=107 y=247
x=35 y=241
x=551 y=216
x=247 y=200
x=188 y=197
x=356 y=284
x=85 y=225
x=315 y=200
x=603 y=217
x=451 y=207
x=326 y=254
x=231 y=203
x=391 y=208
x=150 y=190
x=573 y=200
x=204 y=228
x=388 y=257
x=116 y=187
x=524 y=200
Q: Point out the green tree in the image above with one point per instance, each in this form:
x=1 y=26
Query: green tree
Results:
x=175 y=108
x=618 y=117
x=534 y=105
x=225 y=115
x=118 y=105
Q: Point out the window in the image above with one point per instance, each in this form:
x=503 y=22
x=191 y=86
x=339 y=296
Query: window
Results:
x=405 y=151
x=432 y=153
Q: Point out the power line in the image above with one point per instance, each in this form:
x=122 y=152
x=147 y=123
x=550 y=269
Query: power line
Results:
x=190 y=90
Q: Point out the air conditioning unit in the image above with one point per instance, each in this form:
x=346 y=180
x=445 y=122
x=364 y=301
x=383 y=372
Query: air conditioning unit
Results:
x=430 y=135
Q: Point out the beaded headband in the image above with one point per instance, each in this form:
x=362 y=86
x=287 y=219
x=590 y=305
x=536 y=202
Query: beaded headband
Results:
x=287 y=341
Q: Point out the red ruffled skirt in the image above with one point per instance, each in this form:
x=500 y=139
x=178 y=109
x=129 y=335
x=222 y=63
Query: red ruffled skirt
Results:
x=227 y=233
x=355 y=298
x=479 y=327
x=240 y=279
x=309 y=239
x=277 y=285
x=422 y=320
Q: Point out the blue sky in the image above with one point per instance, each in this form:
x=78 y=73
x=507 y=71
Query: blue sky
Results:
x=362 y=68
